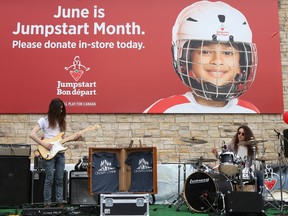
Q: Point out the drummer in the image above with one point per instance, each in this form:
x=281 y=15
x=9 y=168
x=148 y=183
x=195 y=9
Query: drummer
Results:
x=244 y=134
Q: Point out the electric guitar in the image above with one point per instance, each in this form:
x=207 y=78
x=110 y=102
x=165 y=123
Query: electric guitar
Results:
x=58 y=143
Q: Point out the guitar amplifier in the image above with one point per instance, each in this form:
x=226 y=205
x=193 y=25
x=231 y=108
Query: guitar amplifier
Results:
x=15 y=150
x=78 y=174
x=78 y=189
x=37 y=187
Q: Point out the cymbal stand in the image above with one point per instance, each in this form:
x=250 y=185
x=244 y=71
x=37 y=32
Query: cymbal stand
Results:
x=280 y=137
x=180 y=199
x=241 y=178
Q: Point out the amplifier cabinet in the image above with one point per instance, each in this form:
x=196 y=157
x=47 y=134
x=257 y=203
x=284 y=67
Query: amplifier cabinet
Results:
x=37 y=186
x=78 y=189
x=124 y=204
x=15 y=150
x=244 y=203
x=14 y=180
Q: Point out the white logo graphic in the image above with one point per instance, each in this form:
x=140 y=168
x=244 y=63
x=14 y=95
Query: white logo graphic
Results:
x=76 y=70
x=143 y=166
x=105 y=168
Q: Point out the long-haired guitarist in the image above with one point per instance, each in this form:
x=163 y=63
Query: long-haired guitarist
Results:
x=52 y=125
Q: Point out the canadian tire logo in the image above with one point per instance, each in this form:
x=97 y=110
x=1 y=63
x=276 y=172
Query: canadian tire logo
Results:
x=77 y=69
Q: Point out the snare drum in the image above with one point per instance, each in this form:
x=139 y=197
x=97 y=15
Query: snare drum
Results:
x=229 y=163
x=205 y=168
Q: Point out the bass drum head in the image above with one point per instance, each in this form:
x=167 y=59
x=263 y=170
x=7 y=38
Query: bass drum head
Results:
x=277 y=195
x=200 y=186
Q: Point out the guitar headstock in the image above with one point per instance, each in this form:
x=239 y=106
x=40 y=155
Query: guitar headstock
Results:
x=93 y=127
x=73 y=146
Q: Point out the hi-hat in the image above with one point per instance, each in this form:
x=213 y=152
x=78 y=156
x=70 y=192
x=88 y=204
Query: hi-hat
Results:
x=201 y=159
x=251 y=142
x=193 y=140
x=264 y=159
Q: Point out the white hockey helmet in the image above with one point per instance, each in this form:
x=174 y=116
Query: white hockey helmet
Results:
x=213 y=22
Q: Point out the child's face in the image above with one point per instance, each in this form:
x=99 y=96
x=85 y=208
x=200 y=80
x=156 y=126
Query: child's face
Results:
x=216 y=63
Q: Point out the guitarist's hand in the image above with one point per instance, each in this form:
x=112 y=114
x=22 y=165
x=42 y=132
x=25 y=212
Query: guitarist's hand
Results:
x=48 y=146
x=78 y=136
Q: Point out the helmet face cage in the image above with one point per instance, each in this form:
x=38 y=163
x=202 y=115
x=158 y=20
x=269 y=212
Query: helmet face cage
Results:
x=242 y=68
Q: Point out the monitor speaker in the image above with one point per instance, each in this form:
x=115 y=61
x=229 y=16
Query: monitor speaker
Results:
x=37 y=186
x=14 y=180
x=78 y=189
x=244 y=203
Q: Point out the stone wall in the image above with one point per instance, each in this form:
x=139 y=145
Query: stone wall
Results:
x=161 y=131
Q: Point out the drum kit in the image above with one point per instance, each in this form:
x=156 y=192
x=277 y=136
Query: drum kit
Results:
x=204 y=189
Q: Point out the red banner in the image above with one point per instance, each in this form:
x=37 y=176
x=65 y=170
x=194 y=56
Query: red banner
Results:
x=115 y=56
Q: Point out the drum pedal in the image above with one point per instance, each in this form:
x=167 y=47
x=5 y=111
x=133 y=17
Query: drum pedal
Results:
x=204 y=197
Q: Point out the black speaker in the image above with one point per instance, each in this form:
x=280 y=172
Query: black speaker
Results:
x=37 y=186
x=14 y=180
x=78 y=189
x=285 y=134
x=244 y=203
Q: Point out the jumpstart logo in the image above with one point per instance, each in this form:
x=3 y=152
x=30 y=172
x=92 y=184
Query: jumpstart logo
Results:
x=76 y=69
x=270 y=178
x=223 y=32
x=83 y=89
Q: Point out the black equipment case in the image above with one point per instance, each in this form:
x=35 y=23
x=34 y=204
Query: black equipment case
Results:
x=124 y=204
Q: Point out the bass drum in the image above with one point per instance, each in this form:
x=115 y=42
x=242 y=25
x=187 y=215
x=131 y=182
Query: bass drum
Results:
x=203 y=190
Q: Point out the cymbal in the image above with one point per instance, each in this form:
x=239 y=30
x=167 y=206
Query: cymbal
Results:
x=251 y=142
x=193 y=140
x=173 y=163
x=264 y=159
x=202 y=160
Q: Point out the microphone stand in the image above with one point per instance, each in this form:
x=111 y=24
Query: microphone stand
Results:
x=254 y=164
x=280 y=137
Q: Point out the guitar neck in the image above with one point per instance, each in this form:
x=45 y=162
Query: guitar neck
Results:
x=72 y=137
x=69 y=138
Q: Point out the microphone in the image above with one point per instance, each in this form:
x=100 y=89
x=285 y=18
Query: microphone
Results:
x=204 y=195
x=224 y=147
